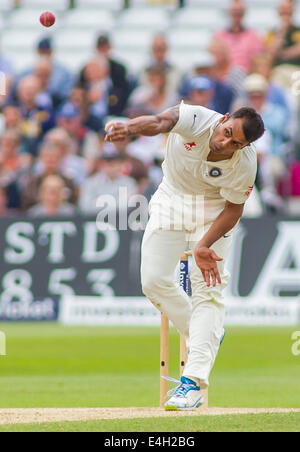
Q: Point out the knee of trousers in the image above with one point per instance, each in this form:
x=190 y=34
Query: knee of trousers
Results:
x=202 y=293
x=155 y=284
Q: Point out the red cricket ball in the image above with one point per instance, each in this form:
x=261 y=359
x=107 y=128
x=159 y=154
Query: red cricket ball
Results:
x=47 y=19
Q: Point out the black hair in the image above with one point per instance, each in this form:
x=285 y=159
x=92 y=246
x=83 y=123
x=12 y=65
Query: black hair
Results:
x=103 y=40
x=253 y=124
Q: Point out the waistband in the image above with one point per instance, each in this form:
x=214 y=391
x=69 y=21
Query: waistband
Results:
x=167 y=188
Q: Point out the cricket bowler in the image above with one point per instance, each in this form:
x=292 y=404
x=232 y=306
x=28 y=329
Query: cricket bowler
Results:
x=209 y=171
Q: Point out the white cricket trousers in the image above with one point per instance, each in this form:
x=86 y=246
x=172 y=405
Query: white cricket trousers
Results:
x=202 y=320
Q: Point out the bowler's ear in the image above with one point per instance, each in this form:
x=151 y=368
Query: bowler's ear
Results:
x=224 y=118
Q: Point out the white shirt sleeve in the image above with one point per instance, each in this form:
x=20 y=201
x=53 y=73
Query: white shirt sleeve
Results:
x=194 y=120
x=237 y=196
x=243 y=180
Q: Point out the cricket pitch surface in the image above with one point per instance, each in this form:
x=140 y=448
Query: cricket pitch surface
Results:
x=41 y=415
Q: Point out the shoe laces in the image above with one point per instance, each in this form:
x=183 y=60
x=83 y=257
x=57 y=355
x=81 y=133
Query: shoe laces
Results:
x=181 y=389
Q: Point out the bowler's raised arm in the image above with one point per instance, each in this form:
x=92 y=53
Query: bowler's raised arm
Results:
x=144 y=125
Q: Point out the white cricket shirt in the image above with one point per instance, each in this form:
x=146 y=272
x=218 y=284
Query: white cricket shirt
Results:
x=187 y=170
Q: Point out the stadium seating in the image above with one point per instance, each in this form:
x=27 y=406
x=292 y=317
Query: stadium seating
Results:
x=185 y=60
x=75 y=60
x=260 y=18
x=163 y=4
x=20 y=40
x=67 y=40
x=89 y=19
x=191 y=40
x=45 y=5
x=153 y=18
x=263 y=3
x=132 y=40
x=22 y=60
x=297 y=15
x=1 y=21
x=188 y=29
x=113 y=5
x=222 y=4
x=6 y=5
x=197 y=17
x=25 y=18
x=135 y=61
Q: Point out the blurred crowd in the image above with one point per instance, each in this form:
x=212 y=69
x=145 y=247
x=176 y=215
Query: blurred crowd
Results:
x=53 y=157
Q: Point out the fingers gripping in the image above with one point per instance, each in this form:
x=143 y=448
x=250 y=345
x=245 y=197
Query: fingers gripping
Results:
x=116 y=131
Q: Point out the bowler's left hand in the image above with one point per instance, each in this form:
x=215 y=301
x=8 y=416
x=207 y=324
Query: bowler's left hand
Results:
x=206 y=259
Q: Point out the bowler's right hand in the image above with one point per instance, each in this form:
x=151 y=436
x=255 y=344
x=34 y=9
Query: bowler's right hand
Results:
x=116 y=131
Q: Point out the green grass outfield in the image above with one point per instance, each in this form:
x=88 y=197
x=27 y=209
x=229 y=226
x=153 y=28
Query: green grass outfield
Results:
x=54 y=366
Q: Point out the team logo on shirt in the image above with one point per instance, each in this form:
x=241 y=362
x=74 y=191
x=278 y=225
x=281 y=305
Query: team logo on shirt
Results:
x=189 y=146
x=215 y=172
x=248 y=193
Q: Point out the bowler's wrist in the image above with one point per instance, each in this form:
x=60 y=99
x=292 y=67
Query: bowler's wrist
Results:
x=201 y=245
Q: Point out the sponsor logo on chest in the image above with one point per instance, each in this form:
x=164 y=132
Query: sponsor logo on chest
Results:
x=190 y=146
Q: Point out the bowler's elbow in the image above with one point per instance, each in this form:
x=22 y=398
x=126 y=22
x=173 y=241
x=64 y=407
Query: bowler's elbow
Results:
x=236 y=210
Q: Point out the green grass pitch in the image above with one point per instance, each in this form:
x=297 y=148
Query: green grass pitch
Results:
x=54 y=366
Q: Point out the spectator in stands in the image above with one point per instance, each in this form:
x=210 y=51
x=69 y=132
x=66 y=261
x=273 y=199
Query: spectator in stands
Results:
x=12 y=166
x=59 y=80
x=72 y=166
x=116 y=73
x=223 y=93
x=52 y=196
x=43 y=71
x=48 y=165
x=159 y=59
x=159 y=52
x=79 y=98
x=83 y=141
x=10 y=155
x=277 y=94
x=277 y=125
x=6 y=84
x=98 y=86
x=109 y=180
x=243 y=43
x=9 y=116
x=6 y=66
x=4 y=211
x=37 y=113
x=283 y=44
x=55 y=79
x=12 y=117
x=270 y=171
x=224 y=70
x=154 y=97
x=201 y=92
x=274 y=116
x=138 y=171
x=7 y=77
